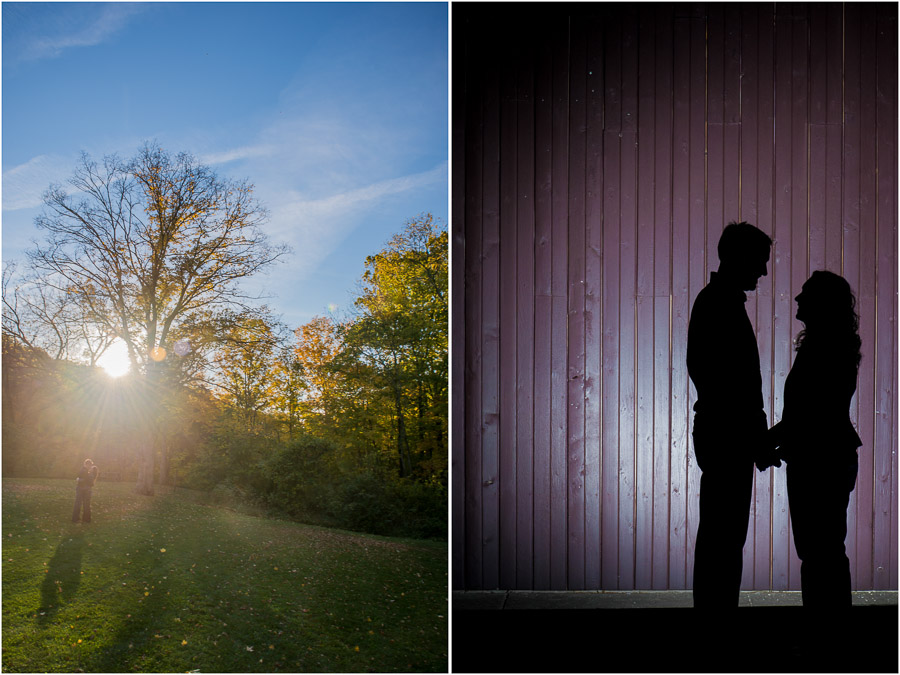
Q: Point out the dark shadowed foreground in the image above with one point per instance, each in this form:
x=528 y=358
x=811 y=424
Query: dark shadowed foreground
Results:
x=673 y=639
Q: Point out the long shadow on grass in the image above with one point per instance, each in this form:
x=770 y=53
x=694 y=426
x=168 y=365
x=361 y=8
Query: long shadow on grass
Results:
x=62 y=578
x=149 y=639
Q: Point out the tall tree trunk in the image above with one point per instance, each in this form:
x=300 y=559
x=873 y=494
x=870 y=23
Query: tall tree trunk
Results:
x=402 y=440
x=149 y=431
x=146 y=451
x=164 y=465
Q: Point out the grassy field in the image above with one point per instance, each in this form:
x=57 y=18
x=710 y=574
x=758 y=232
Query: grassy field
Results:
x=163 y=584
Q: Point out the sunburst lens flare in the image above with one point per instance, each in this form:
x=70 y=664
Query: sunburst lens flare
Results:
x=115 y=360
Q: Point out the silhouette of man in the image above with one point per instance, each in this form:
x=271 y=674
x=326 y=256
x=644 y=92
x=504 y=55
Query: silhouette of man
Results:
x=730 y=424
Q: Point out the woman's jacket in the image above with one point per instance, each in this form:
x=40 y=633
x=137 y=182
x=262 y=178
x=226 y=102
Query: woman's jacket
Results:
x=815 y=423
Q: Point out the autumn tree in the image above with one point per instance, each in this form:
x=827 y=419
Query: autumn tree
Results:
x=146 y=245
x=289 y=389
x=318 y=344
x=244 y=365
x=400 y=336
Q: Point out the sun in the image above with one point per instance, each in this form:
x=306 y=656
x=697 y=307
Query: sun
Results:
x=115 y=360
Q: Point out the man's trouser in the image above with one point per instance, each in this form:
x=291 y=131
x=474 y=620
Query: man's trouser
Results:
x=726 y=489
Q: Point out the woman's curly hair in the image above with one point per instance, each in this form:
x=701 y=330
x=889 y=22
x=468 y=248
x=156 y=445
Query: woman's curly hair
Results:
x=839 y=323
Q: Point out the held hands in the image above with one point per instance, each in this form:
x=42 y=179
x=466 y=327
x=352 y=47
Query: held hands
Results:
x=768 y=454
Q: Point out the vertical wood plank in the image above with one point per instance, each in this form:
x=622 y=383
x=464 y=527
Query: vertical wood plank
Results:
x=543 y=121
x=834 y=39
x=473 y=286
x=662 y=295
x=681 y=303
x=627 y=301
x=731 y=117
x=576 y=323
x=526 y=364
x=542 y=313
x=490 y=335
x=644 y=464
x=593 y=304
x=866 y=387
x=559 y=339
x=818 y=186
x=609 y=515
x=885 y=299
x=508 y=325
x=818 y=66
x=715 y=132
x=890 y=18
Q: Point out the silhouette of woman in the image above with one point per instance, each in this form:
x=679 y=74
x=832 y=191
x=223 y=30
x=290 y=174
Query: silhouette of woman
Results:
x=817 y=439
x=84 y=484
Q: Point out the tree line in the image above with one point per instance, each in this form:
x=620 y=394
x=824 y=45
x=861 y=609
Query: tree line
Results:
x=341 y=421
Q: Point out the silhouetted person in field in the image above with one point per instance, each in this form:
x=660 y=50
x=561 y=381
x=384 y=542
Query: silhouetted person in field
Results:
x=730 y=426
x=817 y=438
x=84 y=485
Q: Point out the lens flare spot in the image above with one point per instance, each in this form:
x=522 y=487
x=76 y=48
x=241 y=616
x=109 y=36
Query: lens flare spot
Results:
x=182 y=348
x=158 y=353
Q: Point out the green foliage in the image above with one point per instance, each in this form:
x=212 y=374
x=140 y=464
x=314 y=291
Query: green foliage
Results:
x=306 y=481
x=369 y=503
x=301 y=477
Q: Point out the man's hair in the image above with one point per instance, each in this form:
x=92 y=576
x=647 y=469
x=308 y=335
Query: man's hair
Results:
x=739 y=239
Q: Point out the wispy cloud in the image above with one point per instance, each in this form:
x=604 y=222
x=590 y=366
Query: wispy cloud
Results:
x=345 y=202
x=316 y=226
x=246 y=152
x=110 y=19
x=23 y=185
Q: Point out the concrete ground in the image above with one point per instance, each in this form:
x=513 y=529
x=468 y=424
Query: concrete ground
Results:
x=660 y=632
x=485 y=600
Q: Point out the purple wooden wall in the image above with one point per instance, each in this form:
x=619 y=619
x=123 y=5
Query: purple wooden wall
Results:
x=598 y=150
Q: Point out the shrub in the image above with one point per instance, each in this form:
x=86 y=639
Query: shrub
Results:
x=306 y=482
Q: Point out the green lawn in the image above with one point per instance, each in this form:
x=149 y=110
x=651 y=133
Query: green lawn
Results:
x=162 y=584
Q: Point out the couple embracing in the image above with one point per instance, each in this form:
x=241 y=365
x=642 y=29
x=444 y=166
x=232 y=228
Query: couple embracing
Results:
x=815 y=437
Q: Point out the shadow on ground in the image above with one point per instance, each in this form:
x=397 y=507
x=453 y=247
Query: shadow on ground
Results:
x=675 y=640
x=62 y=578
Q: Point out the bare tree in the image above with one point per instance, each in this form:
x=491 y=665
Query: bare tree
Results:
x=40 y=316
x=147 y=245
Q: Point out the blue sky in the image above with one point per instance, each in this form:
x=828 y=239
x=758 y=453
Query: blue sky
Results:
x=337 y=112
